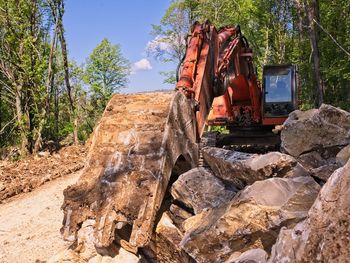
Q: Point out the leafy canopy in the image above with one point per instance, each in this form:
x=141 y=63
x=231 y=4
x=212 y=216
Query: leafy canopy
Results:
x=106 y=70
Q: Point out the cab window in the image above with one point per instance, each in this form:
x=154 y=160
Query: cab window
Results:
x=278 y=85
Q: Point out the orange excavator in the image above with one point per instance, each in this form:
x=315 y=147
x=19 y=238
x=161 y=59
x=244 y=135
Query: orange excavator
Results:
x=143 y=142
x=219 y=75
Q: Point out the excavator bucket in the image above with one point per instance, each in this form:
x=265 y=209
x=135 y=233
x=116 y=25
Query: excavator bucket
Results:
x=132 y=157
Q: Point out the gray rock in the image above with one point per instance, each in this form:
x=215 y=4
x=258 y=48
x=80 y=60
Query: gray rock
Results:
x=325 y=235
x=199 y=189
x=178 y=215
x=343 y=156
x=251 y=220
x=122 y=257
x=244 y=168
x=312 y=160
x=324 y=127
x=84 y=250
x=166 y=243
x=325 y=171
x=257 y=255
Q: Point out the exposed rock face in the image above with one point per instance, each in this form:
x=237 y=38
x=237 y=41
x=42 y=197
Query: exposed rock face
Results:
x=317 y=128
x=244 y=168
x=199 y=189
x=325 y=235
x=133 y=151
x=251 y=220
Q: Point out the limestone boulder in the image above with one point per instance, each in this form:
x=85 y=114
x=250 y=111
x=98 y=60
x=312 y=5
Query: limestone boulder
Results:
x=325 y=235
x=257 y=255
x=199 y=188
x=178 y=215
x=324 y=172
x=123 y=256
x=311 y=160
x=343 y=156
x=84 y=251
x=244 y=169
x=306 y=131
x=165 y=244
x=251 y=220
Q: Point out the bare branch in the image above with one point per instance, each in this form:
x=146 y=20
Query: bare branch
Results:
x=335 y=41
x=7 y=124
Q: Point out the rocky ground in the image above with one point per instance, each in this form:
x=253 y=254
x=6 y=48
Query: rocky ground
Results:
x=288 y=206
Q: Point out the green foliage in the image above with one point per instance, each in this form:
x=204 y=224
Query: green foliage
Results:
x=170 y=76
x=169 y=41
x=106 y=72
x=36 y=101
x=219 y=129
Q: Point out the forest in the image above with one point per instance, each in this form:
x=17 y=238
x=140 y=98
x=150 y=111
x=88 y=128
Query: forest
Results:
x=46 y=97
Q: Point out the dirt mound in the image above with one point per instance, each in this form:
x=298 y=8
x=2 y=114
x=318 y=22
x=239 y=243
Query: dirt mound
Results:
x=29 y=173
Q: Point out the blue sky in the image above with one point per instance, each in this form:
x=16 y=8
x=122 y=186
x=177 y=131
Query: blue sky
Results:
x=127 y=23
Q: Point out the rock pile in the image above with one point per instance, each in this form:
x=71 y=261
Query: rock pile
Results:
x=276 y=207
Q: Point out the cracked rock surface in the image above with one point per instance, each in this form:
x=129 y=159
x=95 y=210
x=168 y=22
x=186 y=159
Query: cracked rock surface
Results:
x=325 y=235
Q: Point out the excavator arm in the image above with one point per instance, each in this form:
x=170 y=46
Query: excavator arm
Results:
x=218 y=74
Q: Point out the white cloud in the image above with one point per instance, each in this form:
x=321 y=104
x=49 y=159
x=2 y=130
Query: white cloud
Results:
x=158 y=44
x=141 y=65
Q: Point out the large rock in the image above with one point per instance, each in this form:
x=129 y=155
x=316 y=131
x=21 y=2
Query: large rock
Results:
x=343 y=156
x=317 y=128
x=199 y=189
x=257 y=255
x=83 y=250
x=244 y=168
x=123 y=256
x=324 y=172
x=252 y=219
x=165 y=244
x=325 y=235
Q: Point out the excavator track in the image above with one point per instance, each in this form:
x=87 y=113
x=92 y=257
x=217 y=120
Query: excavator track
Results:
x=133 y=151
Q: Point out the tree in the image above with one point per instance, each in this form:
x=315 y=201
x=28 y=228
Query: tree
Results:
x=169 y=43
x=106 y=72
x=24 y=26
x=312 y=15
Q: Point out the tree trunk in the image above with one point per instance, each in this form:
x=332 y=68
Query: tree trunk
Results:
x=0 y=108
x=66 y=71
x=311 y=9
x=21 y=123
x=267 y=48
x=49 y=79
x=56 y=110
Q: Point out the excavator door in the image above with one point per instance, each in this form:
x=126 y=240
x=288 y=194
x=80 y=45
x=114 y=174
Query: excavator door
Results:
x=279 y=93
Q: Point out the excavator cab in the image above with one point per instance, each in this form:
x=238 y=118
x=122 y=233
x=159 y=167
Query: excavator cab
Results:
x=279 y=93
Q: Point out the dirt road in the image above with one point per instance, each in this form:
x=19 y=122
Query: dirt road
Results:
x=30 y=223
